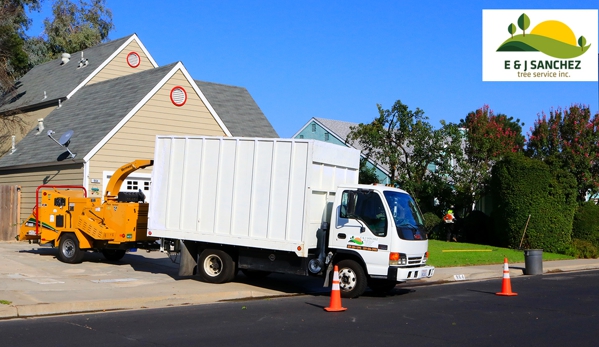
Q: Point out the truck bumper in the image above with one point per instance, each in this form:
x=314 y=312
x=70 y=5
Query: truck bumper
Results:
x=399 y=274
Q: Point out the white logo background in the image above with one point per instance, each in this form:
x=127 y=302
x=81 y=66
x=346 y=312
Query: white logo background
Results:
x=495 y=32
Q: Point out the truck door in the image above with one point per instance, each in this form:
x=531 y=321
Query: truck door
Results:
x=362 y=225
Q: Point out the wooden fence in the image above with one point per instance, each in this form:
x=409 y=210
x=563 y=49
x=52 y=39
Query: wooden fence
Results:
x=10 y=201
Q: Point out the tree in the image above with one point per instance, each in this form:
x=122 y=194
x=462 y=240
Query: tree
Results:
x=581 y=42
x=488 y=138
x=569 y=139
x=13 y=24
x=523 y=23
x=406 y=143
x=511 y=29
x=75 y=28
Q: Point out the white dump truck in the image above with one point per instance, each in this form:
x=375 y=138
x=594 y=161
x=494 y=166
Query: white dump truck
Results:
x=282 y=205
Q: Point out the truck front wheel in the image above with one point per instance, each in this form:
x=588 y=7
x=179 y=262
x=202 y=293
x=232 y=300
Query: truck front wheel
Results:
x=68 y=249
x=216 y=266
x=352 y=279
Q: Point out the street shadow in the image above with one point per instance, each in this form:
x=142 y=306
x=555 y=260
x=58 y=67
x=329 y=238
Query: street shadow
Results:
x=481 y=291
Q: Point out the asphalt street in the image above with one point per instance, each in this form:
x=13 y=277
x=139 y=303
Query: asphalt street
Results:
x=550 y=310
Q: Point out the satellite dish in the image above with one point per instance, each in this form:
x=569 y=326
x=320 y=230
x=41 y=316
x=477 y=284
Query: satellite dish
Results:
x=64 y=141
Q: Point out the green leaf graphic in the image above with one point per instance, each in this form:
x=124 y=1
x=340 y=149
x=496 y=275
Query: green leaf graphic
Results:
x=523 y=23
x=581 y=42
x=511 y=29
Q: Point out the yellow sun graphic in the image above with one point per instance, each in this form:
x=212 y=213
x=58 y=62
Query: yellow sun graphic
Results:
x=555 y=30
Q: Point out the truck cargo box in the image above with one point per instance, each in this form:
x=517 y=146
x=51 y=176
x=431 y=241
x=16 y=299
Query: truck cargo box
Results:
x=249 y=192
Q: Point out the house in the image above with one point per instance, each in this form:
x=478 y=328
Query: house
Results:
x=335 y=131
x=48 y=85
x=115 y=120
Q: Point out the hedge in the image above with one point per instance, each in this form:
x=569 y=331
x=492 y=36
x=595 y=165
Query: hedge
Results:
x=521 y=187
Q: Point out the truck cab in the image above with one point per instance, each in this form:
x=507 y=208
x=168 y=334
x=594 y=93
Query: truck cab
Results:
x=382 y=229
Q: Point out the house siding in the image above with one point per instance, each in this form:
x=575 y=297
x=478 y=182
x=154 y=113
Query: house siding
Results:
x=30 y=179
x=159 y=116
x=118 y=66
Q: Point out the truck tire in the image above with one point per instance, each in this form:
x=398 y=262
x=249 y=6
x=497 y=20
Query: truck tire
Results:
x=113 y=254
x=68 y=249
x=215 y=266
x=381 y=286
x=352 y=279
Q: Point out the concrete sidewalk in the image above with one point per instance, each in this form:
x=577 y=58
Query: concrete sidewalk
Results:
x=34 y=283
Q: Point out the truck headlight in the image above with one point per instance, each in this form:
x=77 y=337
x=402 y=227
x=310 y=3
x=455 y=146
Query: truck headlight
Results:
x=397 y=259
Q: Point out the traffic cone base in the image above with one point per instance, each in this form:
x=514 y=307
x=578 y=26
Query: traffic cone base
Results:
x=506 y=286
x=335 y=303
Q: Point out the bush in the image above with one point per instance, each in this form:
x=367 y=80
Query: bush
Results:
x=432 y=224
x=476 y=228
x=586 y=223
x=582 y=249
x=521 y=187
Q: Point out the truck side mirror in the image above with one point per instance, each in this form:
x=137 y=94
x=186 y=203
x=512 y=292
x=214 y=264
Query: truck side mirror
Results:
x=351 y=204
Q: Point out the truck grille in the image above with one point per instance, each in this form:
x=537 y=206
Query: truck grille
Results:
x=414 y=260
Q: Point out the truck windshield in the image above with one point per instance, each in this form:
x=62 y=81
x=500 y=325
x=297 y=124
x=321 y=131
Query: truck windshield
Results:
x=407 y=217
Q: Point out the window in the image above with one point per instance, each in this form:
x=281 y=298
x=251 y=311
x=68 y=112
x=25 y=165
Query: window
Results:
x=146 y=185
x=313 y=127
x=369 y=210
x=131 y=185
x=326 y=136
x=301 y=136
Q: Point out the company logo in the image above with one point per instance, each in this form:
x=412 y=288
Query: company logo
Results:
x=540 y=45
x=551 y=37
x=356 y=240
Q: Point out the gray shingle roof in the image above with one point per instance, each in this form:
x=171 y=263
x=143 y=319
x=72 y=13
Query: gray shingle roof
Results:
x=55 y=79
x=237 y=109
x=92 y=113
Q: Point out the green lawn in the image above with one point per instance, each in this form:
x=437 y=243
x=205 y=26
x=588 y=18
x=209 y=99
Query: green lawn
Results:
x=446 y=254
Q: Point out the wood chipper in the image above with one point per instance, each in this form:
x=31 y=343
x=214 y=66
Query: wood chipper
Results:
x=65 y=217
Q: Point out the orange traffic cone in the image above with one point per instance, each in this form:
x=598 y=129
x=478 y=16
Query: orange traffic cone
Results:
x=506 y=287
x=335 y=304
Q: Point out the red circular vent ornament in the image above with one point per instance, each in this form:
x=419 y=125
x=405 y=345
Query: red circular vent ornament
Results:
x=133 y=59
x=178 y=96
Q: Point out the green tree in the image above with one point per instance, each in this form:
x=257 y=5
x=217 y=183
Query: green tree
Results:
x=367 y=174
x=13 y=24
x=76 y=27
x=511 y=29
x=581 y=42
x=523 y=23
x=488 y=138
x=569 y=139
x=406 y=143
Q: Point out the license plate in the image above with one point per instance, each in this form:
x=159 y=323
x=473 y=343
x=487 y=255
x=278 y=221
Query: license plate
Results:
x=423 y=273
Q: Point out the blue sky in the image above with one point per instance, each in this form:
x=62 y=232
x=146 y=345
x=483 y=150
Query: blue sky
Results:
x=339 y=59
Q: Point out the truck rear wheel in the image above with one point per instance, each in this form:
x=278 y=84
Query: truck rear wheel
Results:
x=216 y=266
x=68 y=249
x=113 y=254
x=352 y=279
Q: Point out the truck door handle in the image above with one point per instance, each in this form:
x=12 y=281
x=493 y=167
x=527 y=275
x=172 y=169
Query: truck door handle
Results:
x=341 y=236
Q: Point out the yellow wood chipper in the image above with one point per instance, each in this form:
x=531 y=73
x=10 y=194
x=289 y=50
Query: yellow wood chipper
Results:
x=65 y=217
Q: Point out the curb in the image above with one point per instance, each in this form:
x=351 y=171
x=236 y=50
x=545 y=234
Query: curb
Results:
x=52 y=309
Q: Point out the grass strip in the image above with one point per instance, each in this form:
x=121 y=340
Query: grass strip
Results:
x=449 y=254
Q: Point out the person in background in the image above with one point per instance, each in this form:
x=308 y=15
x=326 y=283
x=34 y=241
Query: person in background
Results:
x=449 y=220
